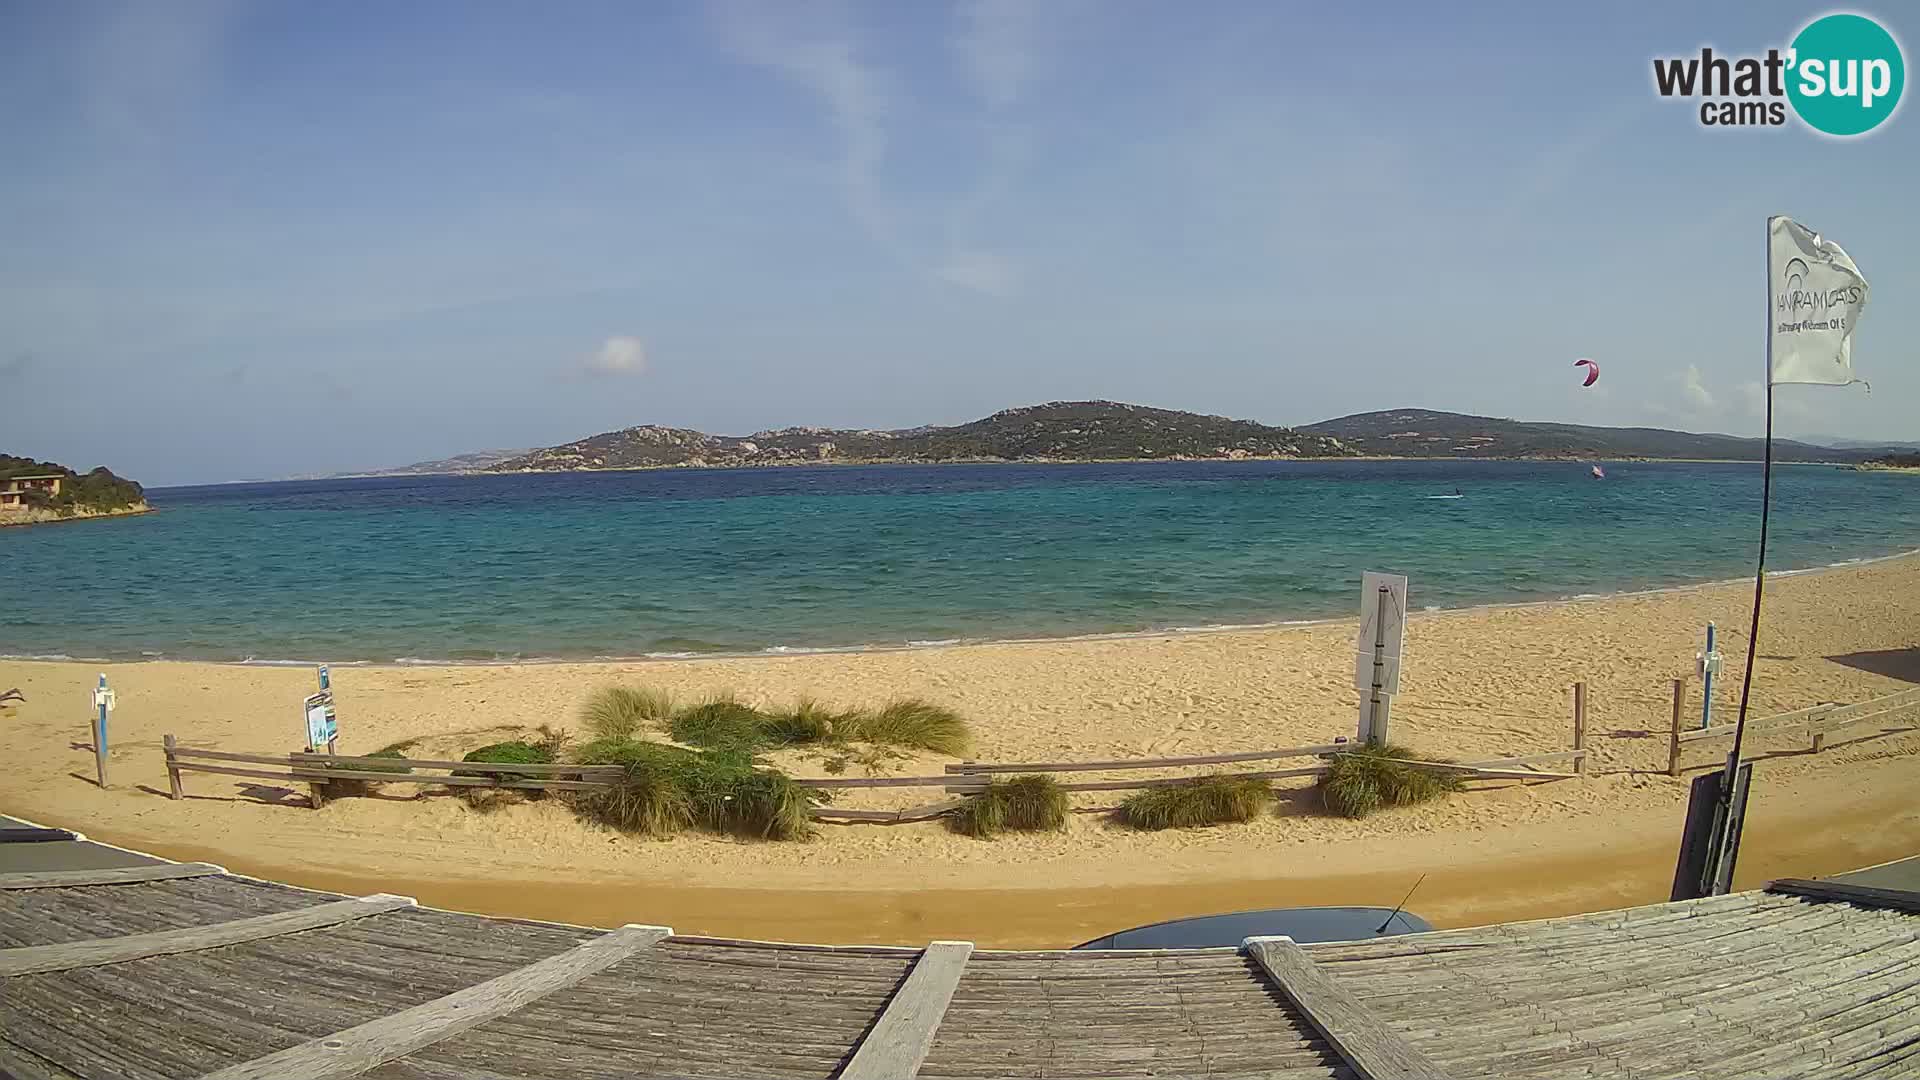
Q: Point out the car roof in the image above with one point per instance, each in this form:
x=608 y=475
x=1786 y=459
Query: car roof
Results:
x=1303 y=924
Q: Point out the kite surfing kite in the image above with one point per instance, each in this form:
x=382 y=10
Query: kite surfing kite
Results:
x=1593 y=371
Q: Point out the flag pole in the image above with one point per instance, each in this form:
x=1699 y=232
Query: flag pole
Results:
x=1760 y=572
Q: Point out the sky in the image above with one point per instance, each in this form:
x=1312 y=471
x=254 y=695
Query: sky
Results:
x=260 y=238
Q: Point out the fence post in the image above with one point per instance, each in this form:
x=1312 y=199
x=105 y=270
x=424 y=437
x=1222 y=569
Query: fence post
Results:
x=173 y=767
x=1673 y=744
x=1580 y=725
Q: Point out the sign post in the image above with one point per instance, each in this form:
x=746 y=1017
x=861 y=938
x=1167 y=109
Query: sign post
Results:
x=318 y=709
x=1708 y=665
x=102 y=705
x=1376 y=669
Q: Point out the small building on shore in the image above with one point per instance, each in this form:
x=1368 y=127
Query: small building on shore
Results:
x=15 y=489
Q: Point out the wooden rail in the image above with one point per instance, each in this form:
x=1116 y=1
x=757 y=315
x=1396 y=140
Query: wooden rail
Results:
x=1372 y=1049
x=974 y=767
x=1820 y=721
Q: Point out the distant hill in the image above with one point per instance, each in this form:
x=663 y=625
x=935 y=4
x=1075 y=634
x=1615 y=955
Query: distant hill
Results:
x=1113 y=431
x=459 y=463
x=1425 y=433
x=90 y=494
x=1056 y=431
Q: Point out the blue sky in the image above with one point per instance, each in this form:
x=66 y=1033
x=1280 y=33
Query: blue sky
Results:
x=257 y=238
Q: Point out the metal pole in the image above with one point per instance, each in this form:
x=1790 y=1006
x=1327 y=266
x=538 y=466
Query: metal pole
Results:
x=326 y=687
x=1733 y=810
x=1706 y=676
x=1377 y=719
x=100 y=731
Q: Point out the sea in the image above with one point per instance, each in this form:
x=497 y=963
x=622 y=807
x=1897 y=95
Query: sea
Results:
x=693 y=562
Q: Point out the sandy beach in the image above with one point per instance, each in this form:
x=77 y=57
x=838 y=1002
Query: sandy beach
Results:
x=1481 y=683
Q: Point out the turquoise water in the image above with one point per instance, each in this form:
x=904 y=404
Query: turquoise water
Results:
x=715 y=561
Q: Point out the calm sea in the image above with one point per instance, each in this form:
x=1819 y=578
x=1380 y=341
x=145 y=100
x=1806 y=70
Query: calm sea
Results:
x=716 y=561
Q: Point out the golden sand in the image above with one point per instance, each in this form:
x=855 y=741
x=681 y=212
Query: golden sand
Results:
x=1478 y=684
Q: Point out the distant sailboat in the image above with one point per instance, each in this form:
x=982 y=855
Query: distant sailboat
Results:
x=1599 y=473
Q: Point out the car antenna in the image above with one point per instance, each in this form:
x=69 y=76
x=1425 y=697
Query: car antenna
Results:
x=1382 y=928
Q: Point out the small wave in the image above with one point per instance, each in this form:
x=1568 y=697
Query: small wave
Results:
x=928 y=643
x=665 y=656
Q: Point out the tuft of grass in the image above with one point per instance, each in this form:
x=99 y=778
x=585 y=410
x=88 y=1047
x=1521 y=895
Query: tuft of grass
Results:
x=353 y=787
x=807 y=723
x=622 y=712
x=721 y=723
x=487 y=800
x=915 y=723
x=649 y=800
x=1212 y=800
x=668 y=788
x=554 y=741
x=1033 y=803
x=1368 y=778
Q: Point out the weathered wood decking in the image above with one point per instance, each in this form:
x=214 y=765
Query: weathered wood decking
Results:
x=1818 y=982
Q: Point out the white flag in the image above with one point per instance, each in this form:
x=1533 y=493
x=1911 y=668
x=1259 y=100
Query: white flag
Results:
x=1816 y=295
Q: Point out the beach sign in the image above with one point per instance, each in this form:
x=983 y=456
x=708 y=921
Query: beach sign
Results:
x=321 y=728
x=1377 y=650
x=1383 y=630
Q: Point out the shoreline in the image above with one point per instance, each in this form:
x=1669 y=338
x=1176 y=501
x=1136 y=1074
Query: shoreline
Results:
x=777 y=651
x=1480 y=683
x=18 y=519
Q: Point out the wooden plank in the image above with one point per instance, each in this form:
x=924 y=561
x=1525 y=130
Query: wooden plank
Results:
x=173 y=769
x=1673 y=739
x=970 y=768
x=227 y=755
x=305 y=773
x=33 y=959
x=1810 y=715
x=1482 y=772
x=900 y=1040
x=1862 y=895
x=123 y=875
x=1528 y=759
x=377 y=1042
x=1177 y=781
x=1360 y=1038
x=829 y=782
x=1580 y=725
x=890 y=817
x=488 y=767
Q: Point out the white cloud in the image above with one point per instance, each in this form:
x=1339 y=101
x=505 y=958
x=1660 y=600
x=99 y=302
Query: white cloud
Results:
x=980 y=271
x=1695 y=391
x=618 y=355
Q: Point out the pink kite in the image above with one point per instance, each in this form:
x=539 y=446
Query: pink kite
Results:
x=1593 y=371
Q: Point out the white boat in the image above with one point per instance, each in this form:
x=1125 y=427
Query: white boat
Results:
x=1599 y=473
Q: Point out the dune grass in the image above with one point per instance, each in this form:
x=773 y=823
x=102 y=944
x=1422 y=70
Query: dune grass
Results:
x=720 y=723
x=623 y=712
x=913 y=723
x=1212 y=800
x=668 y=788
x=1361 y=781
x=487 y=800
x=1032 y=803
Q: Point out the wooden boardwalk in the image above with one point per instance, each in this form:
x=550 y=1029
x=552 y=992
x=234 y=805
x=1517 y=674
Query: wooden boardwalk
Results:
x=228 y=977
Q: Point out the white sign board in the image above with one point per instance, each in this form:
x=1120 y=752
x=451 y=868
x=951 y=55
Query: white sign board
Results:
x=1388 y=635
x=321 y=728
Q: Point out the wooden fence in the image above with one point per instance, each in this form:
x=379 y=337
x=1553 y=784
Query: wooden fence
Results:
x=315 y=770
x=961 y=781
x=1819 y=722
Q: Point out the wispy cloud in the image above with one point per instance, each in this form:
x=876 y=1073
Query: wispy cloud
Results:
x=813 y=47
x=1693 y=389
x=618 y=355
x=820 y=51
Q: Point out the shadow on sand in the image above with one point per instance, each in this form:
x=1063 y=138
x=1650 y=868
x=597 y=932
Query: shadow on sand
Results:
x=1894 y=663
